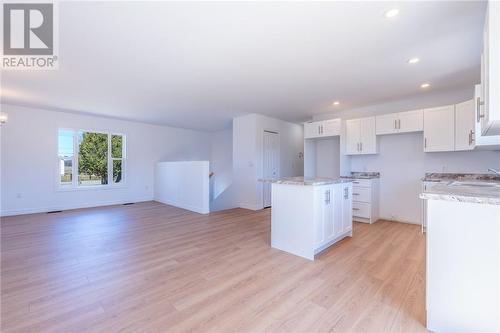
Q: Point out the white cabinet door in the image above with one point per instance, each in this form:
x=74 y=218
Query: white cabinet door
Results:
x=439 y=129
x=352 y=136
x=330 y=127
x=464 y=125
x=346 y=207
x=410 y=121
x=490 y=67
x=329 y=214
x=326 y=219
x=480 y=140
x=368 y=136
x=338 y=193
x=311 y=130
x=386 y=124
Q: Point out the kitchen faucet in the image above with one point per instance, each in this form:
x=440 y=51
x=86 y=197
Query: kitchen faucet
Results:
x=494 y=171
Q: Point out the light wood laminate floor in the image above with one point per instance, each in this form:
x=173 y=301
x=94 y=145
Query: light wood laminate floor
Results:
x=151 y=267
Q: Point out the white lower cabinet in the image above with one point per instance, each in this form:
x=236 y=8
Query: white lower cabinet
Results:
x=334 y=202
x=365 y=200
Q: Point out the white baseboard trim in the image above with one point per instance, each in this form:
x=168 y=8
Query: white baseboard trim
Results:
x=25 y=211
x=195 y=209
x=250 y=206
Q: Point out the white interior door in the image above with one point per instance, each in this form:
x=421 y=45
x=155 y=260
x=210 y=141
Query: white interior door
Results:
x=271 y=159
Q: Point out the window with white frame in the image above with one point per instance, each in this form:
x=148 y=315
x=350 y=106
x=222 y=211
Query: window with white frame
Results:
x=88 y=158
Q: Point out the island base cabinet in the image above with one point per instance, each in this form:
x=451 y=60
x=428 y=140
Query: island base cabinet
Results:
x=463 y=267
x=334 y=218
x=305 y=220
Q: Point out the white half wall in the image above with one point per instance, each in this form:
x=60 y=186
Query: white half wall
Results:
x=183 y=184
x=248 y=132
x=29 y=159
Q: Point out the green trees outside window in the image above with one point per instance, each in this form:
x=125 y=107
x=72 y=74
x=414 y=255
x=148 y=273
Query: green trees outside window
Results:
x=99 y=155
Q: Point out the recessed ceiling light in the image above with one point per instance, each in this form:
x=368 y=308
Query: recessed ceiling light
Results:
x=413 y=60
x=391 y=13
x=336 y=103
x=425 y=85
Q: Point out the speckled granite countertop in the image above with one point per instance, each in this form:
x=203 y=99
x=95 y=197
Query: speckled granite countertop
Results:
x=305 y=181
x=475 y=188
x=362 y=175
x=437 y=177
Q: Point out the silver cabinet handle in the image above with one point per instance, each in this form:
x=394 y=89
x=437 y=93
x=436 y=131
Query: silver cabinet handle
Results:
x=355 y=209
x=471 y=137
x=361 y=146
x=346 y=193
x=478 y=109
x=425 y=142
x=319 y=129
x=395 y=127
x=355 y=193
x=399 y=123
x=355 y=182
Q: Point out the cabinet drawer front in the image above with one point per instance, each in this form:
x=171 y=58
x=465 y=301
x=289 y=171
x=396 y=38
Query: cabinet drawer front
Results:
x=361 y=209
x=362 y=183
x=362 y=194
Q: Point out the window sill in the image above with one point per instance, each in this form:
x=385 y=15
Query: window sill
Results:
x=90 y=188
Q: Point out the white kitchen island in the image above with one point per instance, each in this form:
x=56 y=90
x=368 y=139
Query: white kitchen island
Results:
x=309 y=215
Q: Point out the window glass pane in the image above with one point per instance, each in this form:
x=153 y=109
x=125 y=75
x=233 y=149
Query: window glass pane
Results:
x=116 y=146
x=92 y=158
x=117 y=171
x=65 y=152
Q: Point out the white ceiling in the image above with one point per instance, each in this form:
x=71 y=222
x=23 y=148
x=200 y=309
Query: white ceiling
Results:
x=197 y=65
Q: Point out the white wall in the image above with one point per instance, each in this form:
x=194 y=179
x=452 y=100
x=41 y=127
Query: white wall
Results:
x=183 y=184
x=402 y=162
x=248 y=134
x=29 y=159
x=221 y=164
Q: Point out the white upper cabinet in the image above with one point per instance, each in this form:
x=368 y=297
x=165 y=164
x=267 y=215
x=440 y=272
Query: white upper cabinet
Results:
x=464 y=125
x=439 y=129
x=321 y=129
x=352 y=133
x=490 y=69
x=368 y=142
x=402 y=122
x=411 y=121
x=331 y=127
x=386 y=124
x=482 y=141
x=361 y=136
